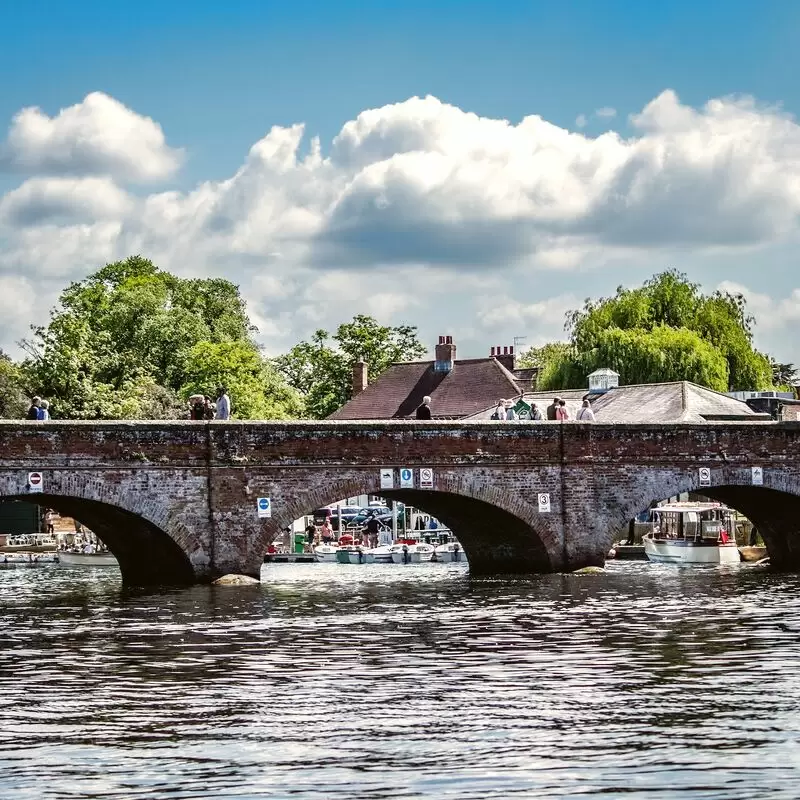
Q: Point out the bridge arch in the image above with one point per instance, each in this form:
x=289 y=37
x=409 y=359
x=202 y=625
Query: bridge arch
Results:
x=773 y=509
x=151 y=545
x=497 y=528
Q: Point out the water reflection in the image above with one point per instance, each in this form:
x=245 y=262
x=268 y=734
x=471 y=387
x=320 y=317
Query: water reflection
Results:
x=415 y=681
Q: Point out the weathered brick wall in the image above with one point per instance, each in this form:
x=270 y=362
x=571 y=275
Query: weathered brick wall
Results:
x=177 y=500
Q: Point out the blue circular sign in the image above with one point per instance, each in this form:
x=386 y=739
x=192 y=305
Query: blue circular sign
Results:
x=405 y=474
x=263 y=503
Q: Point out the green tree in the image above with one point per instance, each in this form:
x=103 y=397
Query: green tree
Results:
x=662 y=331
x=321 y=369
x=122 y=343
x=257 y=391
x=784 y=375
x=14 y=400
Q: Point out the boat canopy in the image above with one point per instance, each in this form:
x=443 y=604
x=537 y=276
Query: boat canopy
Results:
x=683 y=508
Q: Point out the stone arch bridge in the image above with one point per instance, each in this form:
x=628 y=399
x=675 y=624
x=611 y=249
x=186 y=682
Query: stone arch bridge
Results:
x=176 y=501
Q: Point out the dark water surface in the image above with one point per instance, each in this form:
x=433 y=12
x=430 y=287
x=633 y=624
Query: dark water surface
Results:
x=330 y=681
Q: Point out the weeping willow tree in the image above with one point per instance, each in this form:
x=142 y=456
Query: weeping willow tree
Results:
x=665 y=330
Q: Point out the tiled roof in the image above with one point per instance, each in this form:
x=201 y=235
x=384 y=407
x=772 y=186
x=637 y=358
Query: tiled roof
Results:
x=470 y=386
x=680 y=401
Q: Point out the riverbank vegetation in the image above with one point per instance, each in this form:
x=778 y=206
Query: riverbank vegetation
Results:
x=132 y=341
x=665 y=330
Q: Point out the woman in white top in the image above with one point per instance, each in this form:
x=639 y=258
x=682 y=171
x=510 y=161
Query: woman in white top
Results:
x=585 y=413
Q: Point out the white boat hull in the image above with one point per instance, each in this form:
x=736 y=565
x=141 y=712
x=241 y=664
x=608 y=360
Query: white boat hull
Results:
x=326 y=553
x=411 y=554
x=68 y=559
x=683 y=551
x=381 y=555
x=450 y=553
x=361 y=557
x=27 y=558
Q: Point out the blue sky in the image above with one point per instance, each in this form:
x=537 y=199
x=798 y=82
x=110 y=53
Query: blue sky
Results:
x=217 y=76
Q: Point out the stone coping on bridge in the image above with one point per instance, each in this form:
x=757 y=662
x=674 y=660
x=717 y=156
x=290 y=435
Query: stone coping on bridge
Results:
x=371 y=424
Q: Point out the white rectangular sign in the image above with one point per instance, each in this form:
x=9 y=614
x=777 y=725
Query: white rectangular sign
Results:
x=544 y=503
x=387 y=478
x=758 y=476
x=264 y=507
x=426 y=478
x=705 y=476
x=406 y=478
x=35 y=481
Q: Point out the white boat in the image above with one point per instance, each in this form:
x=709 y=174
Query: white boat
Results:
x=27 y=558
x=361 y=555
x=692 y=533
x=69 y=559
x=449 y=552
x=382 y=554
x=326 y=553
x=354 y=554
x=411 y=553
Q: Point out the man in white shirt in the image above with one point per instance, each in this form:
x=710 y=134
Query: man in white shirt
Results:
x=223 y=404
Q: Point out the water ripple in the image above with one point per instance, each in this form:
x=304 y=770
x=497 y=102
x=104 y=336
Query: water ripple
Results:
x=401 y=682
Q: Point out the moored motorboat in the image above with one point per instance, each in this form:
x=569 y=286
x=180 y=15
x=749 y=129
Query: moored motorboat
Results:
x=692 y=533
x=449 y=552
x=382 y=554
x=31 y=559
x=326 y=553
x=69 y=559
x=360 y=555
x=411 y=553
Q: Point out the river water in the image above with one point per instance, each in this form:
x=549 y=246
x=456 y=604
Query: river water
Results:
x=414 y=681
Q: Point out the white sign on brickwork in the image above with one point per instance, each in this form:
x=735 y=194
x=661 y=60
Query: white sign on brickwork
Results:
x=758 y=476
x=544 y=503
x=426 y=478
x=705 y=476
x=387 y=478
x=264 y=507
x=35 y=481
x=406 y=478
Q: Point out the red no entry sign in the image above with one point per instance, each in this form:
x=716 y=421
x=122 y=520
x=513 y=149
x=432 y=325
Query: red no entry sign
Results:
x=35 y=481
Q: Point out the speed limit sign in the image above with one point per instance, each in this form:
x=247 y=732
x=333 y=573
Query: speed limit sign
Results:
x=544 y=503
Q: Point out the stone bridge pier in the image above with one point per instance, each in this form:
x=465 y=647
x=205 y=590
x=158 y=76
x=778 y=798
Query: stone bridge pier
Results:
x=176 y=501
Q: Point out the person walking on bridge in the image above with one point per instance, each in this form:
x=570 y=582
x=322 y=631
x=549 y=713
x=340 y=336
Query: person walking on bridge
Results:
x=424 y=411
x=223 y=403
x=33 y=411
x=552 y=410
x=585 y=413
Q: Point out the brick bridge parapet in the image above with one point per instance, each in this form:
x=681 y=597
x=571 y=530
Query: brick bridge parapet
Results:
x=176 y=501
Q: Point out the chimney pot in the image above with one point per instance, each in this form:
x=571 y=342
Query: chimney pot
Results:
x=493 y=350
x=445 y=354
x=505 y=355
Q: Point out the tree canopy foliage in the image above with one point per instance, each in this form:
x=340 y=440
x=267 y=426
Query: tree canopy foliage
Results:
x=322 y=369
x=665 y=330
x=132 y=341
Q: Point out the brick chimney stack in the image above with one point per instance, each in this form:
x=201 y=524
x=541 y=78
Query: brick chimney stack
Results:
x=445 y=354
x=359 y=377
x=505 y=355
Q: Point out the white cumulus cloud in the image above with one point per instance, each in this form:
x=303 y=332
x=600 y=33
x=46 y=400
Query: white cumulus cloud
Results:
x=99 y=135
x=416 y=211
